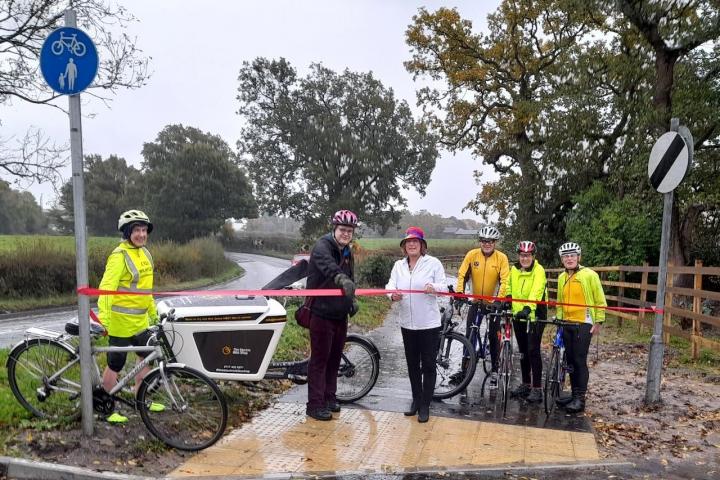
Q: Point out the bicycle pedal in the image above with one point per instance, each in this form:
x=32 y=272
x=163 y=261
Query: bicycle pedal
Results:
x=298 y=379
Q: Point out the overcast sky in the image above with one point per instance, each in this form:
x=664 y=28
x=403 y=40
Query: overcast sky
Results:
x=197 y=48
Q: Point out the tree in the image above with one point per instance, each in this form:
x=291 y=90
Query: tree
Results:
x=19 y=212
x=683 y=37
x=501 y=98
x=600 y=223
x=329 y=141
x=193 y=183
x=24 y=25
x=111 y=187
x=562 y=94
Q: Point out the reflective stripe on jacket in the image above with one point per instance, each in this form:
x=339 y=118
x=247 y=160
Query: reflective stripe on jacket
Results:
x=485 y=272
x=592 y=290
x=418 y=311
x=128 y=269
x=527 y=285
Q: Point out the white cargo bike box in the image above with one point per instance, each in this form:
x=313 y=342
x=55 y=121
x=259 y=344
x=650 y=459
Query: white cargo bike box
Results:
x=227 y=338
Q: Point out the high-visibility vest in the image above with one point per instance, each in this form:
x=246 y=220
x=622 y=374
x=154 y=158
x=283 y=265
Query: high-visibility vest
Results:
x=527 y=285
x=592 y=292
x=129 y=269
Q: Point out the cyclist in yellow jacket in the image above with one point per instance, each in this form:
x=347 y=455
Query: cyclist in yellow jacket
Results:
x=581 y=287
x=528 y=282
x=489 y=270
x=129 y=268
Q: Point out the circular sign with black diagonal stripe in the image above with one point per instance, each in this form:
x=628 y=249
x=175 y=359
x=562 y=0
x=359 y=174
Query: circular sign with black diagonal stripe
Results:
x=668 y=162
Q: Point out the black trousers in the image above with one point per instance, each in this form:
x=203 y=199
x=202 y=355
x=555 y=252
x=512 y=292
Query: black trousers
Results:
x=529 y=344
x=493 y=330
x=577 y=343
x=327 y=338
x=421 y=348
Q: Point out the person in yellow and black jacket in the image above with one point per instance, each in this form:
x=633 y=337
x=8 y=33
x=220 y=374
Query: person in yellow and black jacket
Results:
x=129 y=268
x=580 y=287
x=528 y=282
x=489 y=270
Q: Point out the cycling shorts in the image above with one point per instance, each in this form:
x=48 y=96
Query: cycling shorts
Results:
x=116 y=360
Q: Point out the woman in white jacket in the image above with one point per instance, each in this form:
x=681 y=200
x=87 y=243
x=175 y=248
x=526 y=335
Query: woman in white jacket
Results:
x=419 y=316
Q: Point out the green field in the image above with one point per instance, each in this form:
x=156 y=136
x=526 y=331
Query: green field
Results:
x=63 y=242
x=439 y=243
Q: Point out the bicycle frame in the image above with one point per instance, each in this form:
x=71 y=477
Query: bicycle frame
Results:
x=559 y=342
x=155 y=353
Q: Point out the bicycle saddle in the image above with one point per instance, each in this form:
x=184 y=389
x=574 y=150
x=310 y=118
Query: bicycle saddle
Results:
x=73 y=328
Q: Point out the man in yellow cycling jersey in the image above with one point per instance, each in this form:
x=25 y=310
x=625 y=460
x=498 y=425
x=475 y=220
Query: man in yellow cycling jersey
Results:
x=489 y=270
x=580 y=288
x=129 y=268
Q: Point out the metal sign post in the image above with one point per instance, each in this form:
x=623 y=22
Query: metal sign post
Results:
x=669 y=161
x=69 y=61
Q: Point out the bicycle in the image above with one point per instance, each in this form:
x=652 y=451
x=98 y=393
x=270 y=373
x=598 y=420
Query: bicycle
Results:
x=44 y=376
x=360 y=359
x=357 y=375
x=557 y=367
x=71 y=43
x=479 y=338
x=505 y=357
x=451 y=377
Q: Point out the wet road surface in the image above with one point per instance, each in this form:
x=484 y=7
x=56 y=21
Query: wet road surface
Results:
x=259 y=270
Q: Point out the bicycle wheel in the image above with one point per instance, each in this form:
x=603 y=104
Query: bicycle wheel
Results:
x=30 y=368
x=449 y=364
x=195 y=412
x=504 y=375
x=485 y=349
x=359 y=370
x=57 y=47
x=551 y=389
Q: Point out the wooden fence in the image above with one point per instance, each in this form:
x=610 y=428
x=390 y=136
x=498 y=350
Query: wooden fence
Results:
x=636 y=286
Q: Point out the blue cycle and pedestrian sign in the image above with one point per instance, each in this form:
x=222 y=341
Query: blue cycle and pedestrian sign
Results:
x=68 y=60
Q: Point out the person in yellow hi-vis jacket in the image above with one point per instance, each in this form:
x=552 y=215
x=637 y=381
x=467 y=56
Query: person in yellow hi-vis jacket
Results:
x=489 y=270
x=129 y=268
x=528 y=282
x=581 y=288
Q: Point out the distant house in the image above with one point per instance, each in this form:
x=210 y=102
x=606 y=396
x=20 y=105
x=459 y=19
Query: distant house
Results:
x=455 y=232
x=465 y=233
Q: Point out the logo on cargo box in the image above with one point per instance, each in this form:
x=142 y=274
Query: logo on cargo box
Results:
x=226 y=350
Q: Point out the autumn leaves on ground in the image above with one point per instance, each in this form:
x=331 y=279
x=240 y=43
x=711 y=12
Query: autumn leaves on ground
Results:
x=682 y=435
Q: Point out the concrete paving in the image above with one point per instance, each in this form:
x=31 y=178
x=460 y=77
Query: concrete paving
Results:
x=372 y=436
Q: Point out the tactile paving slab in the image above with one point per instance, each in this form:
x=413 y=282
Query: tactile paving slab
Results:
x=282 y=439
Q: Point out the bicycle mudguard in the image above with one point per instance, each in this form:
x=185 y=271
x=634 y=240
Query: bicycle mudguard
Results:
x=367 y=341
x=179 y=365
x=39 y=334
x=288 y=277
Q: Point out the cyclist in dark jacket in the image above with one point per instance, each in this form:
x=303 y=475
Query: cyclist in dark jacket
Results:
x=330 y=266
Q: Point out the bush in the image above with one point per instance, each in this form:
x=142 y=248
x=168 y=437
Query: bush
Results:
x=375 y=270
x=45 y=267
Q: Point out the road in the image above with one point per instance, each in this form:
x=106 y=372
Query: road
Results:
x=259 y=270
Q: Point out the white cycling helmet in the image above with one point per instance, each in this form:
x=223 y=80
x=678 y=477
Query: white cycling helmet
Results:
x=569 y=248
x=489 y=232
x=134 y=216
